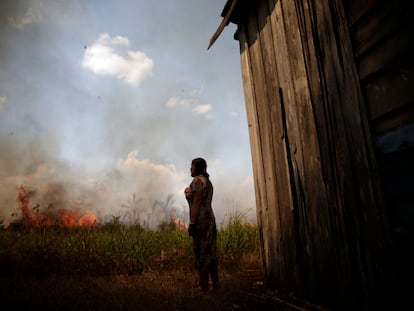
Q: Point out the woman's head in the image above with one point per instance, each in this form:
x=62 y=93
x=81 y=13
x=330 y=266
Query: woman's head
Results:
x=199 y=167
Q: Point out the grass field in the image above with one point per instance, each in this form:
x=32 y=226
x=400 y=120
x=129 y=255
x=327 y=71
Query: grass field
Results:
x=115 y=267
x=113 y=248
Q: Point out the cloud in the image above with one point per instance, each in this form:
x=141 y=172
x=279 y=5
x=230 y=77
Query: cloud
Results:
x=62 y=185
x=189 y=101
x=145 y=167
x=202 y=109
x=173 y=102
x=2 y=103
x=33 y=15
x=102 y=58
x=151 y=179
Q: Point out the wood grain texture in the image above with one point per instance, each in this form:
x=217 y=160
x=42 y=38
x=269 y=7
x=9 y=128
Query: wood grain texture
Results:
x=314 y=167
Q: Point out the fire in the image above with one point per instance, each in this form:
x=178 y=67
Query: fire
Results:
x=87 y=220
x=32 y=217
x=180 y=224
x=68 y=219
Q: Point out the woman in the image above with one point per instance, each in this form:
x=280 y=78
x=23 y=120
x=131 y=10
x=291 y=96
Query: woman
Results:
x=202 y=227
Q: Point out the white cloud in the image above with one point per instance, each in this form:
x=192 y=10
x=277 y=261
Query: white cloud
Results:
x=103 y=195
x=32 y=16
x=173 y=102
x=202 y=109
x=103 y=59
x=151 y=178
x=2 y=103
x=233 y=114
x=190 y=101
x=132 y=162
x=151 y=181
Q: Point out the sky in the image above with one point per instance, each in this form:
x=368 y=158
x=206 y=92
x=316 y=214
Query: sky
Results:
x=102 y=101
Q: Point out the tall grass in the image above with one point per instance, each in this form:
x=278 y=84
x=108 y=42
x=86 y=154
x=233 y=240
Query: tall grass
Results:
x=237 y=239
x=113 y=248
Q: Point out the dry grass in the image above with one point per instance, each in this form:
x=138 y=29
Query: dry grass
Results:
x=162 y=289
x=118 y=268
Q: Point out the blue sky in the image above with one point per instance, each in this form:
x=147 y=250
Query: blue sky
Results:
x=103 y=99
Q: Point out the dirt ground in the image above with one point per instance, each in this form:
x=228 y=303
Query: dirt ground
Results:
x=152 y=290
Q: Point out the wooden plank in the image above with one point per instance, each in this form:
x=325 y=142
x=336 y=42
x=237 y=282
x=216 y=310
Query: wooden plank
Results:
x=286 y=149
x=283 y=223
x=353 y=154
x=327 y=225
x=265 y=87
x=262 y=100
x=310 y=212
x=334 y=99
x=313 y=136
x=224 y=22
x=357 y=9
x=396 y=118
x=401 y=43
x=251 y=35
x=391 y=90
x=382 y=21
x=255 y=147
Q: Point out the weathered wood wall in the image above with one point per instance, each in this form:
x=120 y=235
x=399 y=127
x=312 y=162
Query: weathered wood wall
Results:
x=319 y=204
x=382 y=35
x=383 y=42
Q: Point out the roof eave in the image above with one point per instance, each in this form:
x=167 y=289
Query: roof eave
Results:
x=233 y=12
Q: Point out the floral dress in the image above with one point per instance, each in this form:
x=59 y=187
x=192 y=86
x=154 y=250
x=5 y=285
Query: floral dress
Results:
x=205 y=237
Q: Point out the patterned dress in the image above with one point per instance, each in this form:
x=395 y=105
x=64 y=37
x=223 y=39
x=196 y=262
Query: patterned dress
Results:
x=205 y=236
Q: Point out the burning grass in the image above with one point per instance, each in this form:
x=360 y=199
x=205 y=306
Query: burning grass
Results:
x=116 y=267
x=113 y=248
x=70 y=261
x=48 y=242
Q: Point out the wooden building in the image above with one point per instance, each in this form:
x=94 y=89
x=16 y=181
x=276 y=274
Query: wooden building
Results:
x=329 y=92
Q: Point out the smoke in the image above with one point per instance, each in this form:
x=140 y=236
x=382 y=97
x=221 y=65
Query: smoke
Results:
x=134 y=189
x=117 y=137
x=64 y=186
x=2 y=103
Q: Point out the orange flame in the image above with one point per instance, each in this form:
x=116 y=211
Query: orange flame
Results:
x=180 y=224
x=87 y=220
x=67 y=218
x=33 y=218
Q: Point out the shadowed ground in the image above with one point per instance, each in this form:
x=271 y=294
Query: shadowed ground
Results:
x=153 y=290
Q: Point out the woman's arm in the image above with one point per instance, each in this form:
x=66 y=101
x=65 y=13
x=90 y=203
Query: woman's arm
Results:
x=197 y=200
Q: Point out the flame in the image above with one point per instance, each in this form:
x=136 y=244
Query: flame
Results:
x=45 y=220
x=180 y=224
x=68 y=218
x=87 y=220
x=31 y=217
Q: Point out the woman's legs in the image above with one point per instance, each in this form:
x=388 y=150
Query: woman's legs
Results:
x=203 y=275
x=214 y=275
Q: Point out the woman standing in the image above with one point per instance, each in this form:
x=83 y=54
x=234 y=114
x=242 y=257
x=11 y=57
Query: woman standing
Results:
x=202 y=226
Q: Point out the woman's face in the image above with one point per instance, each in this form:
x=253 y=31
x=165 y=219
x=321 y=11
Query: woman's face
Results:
x=192 y=170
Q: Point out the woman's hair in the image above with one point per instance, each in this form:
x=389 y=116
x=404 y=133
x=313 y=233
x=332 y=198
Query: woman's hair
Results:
x=200 y=167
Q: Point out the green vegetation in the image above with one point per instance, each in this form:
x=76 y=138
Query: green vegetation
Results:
x=113 y=248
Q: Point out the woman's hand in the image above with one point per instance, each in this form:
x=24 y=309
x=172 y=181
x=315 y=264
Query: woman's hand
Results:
x=187 y=192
